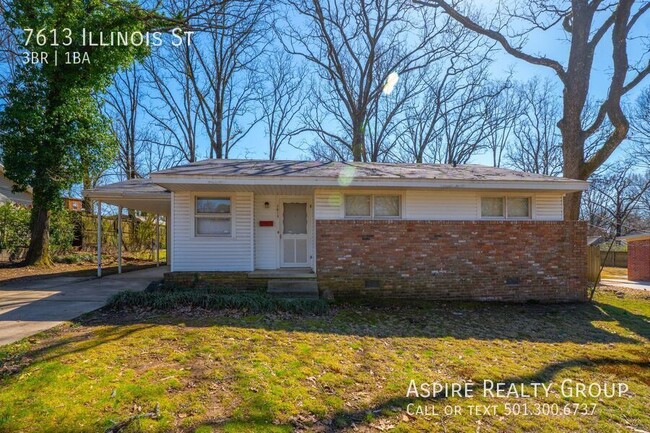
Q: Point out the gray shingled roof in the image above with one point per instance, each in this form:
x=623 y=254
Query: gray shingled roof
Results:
x=359 y=170
x=129 y=188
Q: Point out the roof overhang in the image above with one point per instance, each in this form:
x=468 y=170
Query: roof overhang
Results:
x=636 y=237
x=183 y=183
x=140 y=194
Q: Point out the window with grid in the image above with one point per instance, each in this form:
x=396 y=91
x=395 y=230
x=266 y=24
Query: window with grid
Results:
x=212 y=216
x=506 y=207
x=372 y=206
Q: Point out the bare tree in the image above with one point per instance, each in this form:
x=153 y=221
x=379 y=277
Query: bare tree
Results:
x=223 y=73
x=616 y=196
x=585 y=24
x=640 y=123
x=453 y=87
x=386 y=116
x=353 y=47
x=172 y=104
x=122 y=102
x=451 y=120
x=502 y=110
x=536 y=145
x=281 y=97
x=466 y=119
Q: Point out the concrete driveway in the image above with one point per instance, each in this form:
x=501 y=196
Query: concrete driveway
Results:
x=640 y=285
x=29 y=307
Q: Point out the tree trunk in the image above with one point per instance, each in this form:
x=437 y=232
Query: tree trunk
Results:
x=39 y=244
x=358 y=135
x=86 y=202
x=218 y=143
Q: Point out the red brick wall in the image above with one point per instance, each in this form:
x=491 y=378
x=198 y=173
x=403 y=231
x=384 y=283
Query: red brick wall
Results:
x=481 y=260
x=638 y=260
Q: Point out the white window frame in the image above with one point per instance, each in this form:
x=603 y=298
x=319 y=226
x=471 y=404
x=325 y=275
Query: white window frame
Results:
x=196 y=214
x=505 y=198
x=372 y=206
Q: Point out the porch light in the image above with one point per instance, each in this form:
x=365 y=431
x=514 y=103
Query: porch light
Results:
x=266 y=205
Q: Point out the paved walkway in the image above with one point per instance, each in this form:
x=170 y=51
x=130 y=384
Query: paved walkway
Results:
x=29 y=307
x=640 y=285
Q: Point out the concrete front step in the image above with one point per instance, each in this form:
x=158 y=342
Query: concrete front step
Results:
x=284 y=274
x=300 y=288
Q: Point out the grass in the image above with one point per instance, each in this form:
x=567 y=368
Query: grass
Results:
x=611 y=272
x=348 y=370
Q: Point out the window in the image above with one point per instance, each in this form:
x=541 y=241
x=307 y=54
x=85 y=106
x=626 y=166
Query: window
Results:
x=357 y=206
x=212 y=216
x=506 y=207
x=372 y=206
x=492 y=207
x=386 y=206
x=518 y=207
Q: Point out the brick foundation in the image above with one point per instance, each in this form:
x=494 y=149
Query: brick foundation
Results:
x=638 y=260
x=230 y=280
x=462 y=260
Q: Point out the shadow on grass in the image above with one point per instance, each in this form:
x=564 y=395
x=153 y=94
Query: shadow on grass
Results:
x=60 y=347
x=635 y=323
x=363 y=417
x=552 y=323
x=556 y=323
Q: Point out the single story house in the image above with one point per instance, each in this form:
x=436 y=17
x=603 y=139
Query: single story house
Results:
x=7 y=195
x=418 y=231
x=638 y=256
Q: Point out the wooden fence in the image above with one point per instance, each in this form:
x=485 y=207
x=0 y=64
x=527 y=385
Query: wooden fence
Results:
x=617 y=259
x=593 y=262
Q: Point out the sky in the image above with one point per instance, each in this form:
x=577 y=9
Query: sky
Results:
x=551 y=43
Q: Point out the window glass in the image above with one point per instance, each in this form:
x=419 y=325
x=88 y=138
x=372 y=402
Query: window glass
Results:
x=387 y=206
x=213 y=226
x=518 y=207
x=212 y=205
x=295 y=218
x=357 y=205
x=492 y=207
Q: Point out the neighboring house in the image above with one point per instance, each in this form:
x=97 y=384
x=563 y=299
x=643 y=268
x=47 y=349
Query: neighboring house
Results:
x=6 y=194
x=74 y=204
x=416 y=231
x=638 y=256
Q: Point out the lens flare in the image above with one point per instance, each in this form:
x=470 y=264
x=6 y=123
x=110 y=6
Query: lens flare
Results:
x=389 y=85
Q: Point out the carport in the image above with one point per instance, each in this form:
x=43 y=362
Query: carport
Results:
x=135 y=194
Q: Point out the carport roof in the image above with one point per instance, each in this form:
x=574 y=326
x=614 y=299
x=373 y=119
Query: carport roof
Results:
x=140 y=194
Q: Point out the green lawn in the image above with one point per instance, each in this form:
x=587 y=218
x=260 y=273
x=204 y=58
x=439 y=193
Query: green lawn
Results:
x=349 y=370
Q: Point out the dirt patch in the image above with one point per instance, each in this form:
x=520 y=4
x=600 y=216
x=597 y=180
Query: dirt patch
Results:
x=13 y=271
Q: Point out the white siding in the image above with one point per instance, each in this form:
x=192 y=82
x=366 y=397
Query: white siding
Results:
x=267 y=240
x=192 y=253
x=6 y=194
x=549 y=207
x=440 y=205
x=328 y=204
x=429 y=204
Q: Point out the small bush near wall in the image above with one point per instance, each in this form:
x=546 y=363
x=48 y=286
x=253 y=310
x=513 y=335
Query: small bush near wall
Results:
x=216 y=299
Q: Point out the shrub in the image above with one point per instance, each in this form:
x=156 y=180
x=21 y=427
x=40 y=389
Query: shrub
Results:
x=61 y=230
x=213 y=299
x=74 y=258
x=14 y=227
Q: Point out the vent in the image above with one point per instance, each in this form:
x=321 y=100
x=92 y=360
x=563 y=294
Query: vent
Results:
x=372 y=284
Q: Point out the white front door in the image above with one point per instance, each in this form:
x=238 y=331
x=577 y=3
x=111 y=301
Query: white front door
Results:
x=294 y=236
